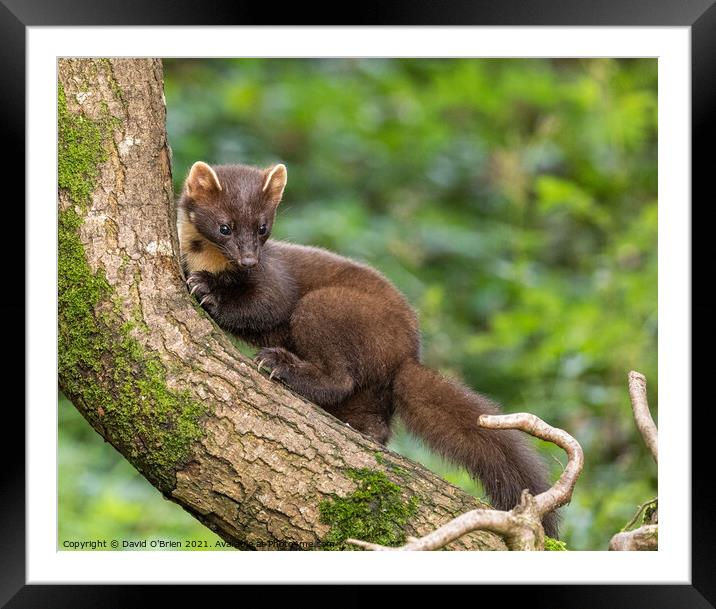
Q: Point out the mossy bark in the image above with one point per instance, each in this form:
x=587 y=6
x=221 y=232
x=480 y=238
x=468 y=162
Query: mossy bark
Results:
x=156 y=377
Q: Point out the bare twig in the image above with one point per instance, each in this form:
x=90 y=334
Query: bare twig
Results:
x=644 y=538
x=639 y=512
x=642 y=416
x=521 y=527
x=561 y=492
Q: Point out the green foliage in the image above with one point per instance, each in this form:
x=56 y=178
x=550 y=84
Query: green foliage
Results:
x=514 y=202
x=80 y=151
x=375 y=512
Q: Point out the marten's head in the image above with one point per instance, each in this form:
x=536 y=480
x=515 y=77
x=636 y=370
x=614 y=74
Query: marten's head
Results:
x=232 y=207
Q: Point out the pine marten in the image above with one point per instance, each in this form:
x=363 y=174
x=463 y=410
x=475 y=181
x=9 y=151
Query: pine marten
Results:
x=335 y=331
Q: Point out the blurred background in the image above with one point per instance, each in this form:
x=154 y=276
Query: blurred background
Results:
x=514 y=202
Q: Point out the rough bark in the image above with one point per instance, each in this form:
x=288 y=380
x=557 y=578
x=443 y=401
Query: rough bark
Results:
x=155 y=376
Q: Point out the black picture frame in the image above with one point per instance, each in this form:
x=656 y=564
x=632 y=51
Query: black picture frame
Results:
x=699 y=15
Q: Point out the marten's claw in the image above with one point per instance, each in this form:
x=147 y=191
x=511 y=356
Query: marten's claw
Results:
x=200 y=287
x=260 y=363
x=278 y=360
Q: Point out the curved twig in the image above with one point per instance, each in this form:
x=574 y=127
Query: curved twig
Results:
x=561 y=491
x=639 y=512
x=640 y=406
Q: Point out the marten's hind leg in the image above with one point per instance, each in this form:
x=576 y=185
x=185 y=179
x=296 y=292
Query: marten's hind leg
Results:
x=324 y=387
x=368 y=411
x=317 y=363
x=339 y=340
x=363 y=411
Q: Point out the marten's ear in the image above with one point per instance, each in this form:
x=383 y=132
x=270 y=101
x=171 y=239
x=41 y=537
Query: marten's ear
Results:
x=202 y=180
x=275 y=182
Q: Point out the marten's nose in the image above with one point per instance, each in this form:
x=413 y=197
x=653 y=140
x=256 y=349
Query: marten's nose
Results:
x=248 y=261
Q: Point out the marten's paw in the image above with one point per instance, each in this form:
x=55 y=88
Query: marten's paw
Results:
x=278 y=360
x=200 y=285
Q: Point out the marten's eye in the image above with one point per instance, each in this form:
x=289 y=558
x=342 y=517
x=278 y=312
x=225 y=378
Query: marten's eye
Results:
x=262 y=229
x=224 y=229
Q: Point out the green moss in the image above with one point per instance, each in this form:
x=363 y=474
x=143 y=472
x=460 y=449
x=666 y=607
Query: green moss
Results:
x=118 y=384
x=390 y=466
x=554 y=545
x=375 y=511
x=80 y=151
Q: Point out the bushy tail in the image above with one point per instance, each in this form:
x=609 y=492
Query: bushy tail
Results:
x=445 y=415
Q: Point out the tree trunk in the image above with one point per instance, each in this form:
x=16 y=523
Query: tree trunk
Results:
x=159 y=380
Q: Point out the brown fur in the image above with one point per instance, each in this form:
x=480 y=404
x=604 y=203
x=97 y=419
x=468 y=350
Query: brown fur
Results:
x=337 y=332
x=207 y=256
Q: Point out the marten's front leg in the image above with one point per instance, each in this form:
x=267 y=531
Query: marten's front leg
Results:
x=325 y=388
x=223 y=301
x=202 y=285
x=235 y=307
